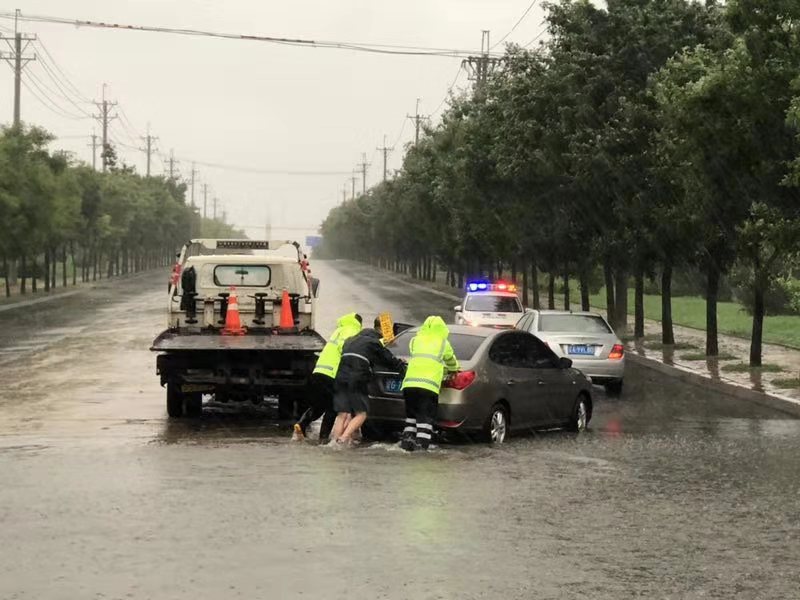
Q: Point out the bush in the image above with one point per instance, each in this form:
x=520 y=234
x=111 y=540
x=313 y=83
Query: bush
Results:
x=782 y=296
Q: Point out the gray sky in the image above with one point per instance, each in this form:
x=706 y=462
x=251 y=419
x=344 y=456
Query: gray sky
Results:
x=254 y=104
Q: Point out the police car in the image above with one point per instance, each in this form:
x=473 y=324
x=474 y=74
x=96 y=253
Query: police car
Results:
x=489 y=304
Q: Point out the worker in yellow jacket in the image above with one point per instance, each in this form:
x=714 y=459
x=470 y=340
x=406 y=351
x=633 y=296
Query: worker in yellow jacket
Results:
x=320 y=385
x=432 y=357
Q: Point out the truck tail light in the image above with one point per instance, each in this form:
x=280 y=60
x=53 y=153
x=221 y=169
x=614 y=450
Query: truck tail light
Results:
x=460 y=380
x=616 y=352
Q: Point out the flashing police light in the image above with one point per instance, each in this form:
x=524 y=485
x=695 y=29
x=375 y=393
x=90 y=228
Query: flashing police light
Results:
x=486 y=286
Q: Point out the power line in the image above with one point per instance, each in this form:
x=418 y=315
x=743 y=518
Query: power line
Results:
x=538 y=35
x=355 y=46
x=257 y=171
x=45 y=100
x=59 y=90
x=520 y=20
x=67 y=80
x=449 y=90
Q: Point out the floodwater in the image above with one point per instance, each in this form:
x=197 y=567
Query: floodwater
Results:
x=675 y=492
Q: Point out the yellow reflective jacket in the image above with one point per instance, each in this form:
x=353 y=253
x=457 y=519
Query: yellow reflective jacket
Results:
x=431 y=354
x=331 y=355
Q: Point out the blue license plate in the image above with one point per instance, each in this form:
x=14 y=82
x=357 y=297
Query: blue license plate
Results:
x=581 y=350
x=393 y=385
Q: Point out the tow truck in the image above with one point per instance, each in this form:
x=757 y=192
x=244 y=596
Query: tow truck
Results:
x=269 y=360
x=489 y=304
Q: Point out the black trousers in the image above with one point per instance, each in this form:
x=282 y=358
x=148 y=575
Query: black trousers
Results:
x=421 y=409
x=320 y=400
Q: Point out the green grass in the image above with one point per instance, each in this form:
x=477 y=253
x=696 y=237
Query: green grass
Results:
x=732 y=318
x=744 y=368
x=703 y=356
x=786 y=384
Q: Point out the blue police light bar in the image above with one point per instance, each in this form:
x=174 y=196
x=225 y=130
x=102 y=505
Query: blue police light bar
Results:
x=475 y=286
x=484 y=286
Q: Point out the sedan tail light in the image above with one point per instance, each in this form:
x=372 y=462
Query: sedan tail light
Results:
x=616 y=352
x=460 y=380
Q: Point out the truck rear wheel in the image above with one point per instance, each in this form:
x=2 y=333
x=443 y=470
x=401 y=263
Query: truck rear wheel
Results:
x=193 y=405
x=174 y=401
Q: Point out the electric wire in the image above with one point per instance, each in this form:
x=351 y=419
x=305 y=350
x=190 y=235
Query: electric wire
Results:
x=449 y=90
x=258 y=171
x=538 y=35
x=520 y=20
x=44 y=99
x=60 y=90
x=78 y=94
x=375 y=48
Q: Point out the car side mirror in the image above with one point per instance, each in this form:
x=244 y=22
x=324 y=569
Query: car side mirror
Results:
x=564 y=363
x=457 y=308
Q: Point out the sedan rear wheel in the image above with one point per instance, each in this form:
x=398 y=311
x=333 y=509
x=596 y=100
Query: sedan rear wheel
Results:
x=174 y=401
x=495 y=430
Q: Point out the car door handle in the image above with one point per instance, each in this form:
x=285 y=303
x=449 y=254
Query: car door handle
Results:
x=511 y=382
x=540 y=382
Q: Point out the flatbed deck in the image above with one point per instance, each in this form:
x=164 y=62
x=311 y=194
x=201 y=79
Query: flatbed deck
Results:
x=171 y=341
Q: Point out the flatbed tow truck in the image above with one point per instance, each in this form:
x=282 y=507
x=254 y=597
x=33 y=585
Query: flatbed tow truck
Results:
x=196 y=357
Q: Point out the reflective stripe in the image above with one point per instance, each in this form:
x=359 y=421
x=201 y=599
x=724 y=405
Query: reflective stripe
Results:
x=435 y=384
x=409 y=430
x=423 y=435
x=411 y=421
x=438 y=359
x=354 y=355
x=425 y=426
x=326 y=367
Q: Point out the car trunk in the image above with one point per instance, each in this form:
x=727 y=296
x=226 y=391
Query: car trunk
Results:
x=584 y=346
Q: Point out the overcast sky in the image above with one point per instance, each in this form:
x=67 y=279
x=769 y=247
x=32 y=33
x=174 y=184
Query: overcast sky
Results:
x=253 y=104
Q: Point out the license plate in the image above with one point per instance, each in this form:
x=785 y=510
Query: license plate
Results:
x=581 y=350
x=393 y=385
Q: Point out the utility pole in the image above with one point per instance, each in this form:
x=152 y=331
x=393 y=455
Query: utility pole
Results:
x=15 y=42
x=385 y=151
x=205 y=200
x=215 y=207
x=480 y=67
x=148 y=139
x=104 y=117
x=363 y=164
x=344 y=193
x=417 y=118
x=194 y=174
x=353 y=180
x=93 y=146
x=171 y=162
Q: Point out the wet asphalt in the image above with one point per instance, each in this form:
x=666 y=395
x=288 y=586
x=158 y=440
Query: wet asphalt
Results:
x=675 y=492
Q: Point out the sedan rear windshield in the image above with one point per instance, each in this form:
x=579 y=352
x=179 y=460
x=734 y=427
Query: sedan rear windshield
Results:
x=573 y=324
x=242 y=275
x=503 y=304
x=464 y=345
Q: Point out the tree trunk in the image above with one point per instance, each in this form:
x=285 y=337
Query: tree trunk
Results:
x=551 y=291
x=524 y=284
x=433 y=269
x=499 y=269
x=638 y=301
x=611 y=306
x=712 y=295
x=514 y=271
x=47 y=270
x=584 y=283
x=34 y=282
x=95 y=260
x=22 y=275
x=535 y=286
x=64 y=266
x=759 y=287
x=667 y=332
x=621 y=298
x=74 y=264
x=111 y=262
x=6 y=276
x=566 y=292
x=54 y=267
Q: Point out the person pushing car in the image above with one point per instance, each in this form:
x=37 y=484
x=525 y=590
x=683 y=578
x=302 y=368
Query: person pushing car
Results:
x=360 y=354
x=431 y=357
x=321 y=382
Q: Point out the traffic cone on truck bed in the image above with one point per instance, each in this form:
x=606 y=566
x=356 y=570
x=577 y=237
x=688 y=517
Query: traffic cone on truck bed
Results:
x=287 y=318
x=233 y=323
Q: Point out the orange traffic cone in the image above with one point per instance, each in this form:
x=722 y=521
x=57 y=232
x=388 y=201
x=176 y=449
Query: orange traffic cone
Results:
x=287 y=318
x=233 y=323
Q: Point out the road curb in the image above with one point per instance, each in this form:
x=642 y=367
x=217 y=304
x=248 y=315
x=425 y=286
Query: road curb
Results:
x=782 y=403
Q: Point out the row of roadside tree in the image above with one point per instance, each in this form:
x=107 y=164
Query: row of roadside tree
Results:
x=62 y=221
x=643 y=138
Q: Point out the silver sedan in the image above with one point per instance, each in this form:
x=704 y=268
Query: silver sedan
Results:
x=584 y=337
x=509 y=380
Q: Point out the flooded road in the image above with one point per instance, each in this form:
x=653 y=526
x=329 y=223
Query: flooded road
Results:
x=675 y=492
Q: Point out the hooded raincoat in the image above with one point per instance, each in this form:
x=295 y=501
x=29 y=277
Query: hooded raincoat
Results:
x=431 y=355
x=331 y=355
